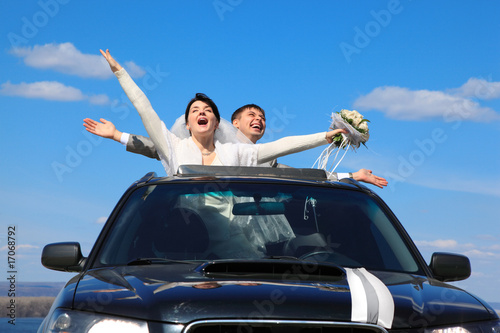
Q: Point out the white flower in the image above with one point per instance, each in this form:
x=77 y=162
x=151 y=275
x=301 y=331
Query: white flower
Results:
x=363 y=126
x=356 y=117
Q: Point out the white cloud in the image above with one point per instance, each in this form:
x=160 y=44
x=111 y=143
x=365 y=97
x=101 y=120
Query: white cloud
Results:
x=99 y=100
x=467 y=249
x=439 y=243
x=478 y=274
x=487 y=237
x=405 y=104
x=449 y=244
x=66 y=58
x=475 y=253
x=478 y=88
x=133 y=69
x=495 y=247
x=20 y=247
x=102 y=220
x=50 y=90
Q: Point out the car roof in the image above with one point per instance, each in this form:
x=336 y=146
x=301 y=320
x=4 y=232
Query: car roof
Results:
x=209 y=173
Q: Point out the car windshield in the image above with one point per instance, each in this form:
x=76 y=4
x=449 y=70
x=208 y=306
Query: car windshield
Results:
x=209 y=221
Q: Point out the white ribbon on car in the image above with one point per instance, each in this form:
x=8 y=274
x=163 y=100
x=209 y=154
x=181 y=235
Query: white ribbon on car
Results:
x=371 y=300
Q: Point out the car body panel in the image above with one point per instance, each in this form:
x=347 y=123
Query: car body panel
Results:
x=166 y=293
x=280 y=289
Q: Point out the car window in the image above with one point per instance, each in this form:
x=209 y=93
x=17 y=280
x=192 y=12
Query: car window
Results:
x=204 y=221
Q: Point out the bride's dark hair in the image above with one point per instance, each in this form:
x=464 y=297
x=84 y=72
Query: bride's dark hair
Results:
x=204 y=98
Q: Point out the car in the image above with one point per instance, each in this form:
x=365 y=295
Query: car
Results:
x=250 y=249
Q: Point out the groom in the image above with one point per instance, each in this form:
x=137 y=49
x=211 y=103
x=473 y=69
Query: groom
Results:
x=250 y=119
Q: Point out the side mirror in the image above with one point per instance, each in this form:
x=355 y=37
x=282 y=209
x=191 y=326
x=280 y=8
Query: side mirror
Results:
x=66 y=257
x=450 y=267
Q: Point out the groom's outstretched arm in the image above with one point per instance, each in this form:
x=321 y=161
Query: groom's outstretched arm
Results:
x=137 y=144
x=365 y=175
x=142 y=145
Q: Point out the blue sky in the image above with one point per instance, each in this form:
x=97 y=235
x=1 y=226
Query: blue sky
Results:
x=426 y=74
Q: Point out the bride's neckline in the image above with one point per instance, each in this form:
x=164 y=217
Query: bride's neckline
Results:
x=208 y=153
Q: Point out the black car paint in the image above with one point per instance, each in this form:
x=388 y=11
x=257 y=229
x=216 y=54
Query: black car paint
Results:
x=166 y=293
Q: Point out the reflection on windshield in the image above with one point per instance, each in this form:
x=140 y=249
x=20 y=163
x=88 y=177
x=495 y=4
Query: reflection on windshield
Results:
x=197 y=222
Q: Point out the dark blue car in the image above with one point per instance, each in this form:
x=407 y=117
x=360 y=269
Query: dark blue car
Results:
x=241 y=249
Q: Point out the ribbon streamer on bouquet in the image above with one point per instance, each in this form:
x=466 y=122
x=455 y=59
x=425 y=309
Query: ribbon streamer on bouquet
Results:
x=352 y=139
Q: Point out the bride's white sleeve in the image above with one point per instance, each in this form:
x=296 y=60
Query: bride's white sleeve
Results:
x=288 y=145
x=150 y=119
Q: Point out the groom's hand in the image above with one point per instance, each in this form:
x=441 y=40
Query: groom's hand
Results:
x=366 y=176
x=105 y=129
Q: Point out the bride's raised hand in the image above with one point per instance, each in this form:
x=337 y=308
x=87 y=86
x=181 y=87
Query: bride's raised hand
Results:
x=115 y=66
x=331 y=134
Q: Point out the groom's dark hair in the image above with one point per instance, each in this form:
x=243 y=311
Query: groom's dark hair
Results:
x=237 y=113
x=204 y=98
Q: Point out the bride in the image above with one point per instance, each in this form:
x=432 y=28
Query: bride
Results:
x=208 y=140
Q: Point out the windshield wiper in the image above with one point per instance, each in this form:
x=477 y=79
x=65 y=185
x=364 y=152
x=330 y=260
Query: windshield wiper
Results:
x=282 y=257
x=151 y=261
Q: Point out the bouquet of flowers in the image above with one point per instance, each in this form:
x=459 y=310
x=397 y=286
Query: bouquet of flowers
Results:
x=355 y=124
x=358 y=133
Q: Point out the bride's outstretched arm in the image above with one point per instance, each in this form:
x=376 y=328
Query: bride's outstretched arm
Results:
x=150 y=119
x=293 y=144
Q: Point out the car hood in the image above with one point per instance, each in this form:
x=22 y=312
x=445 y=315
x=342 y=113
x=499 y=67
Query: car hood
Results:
x=181 y=293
